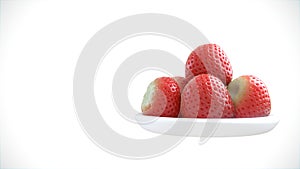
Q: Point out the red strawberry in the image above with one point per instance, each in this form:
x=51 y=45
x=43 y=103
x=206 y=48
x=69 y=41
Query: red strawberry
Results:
x=162 y=98
x=250 y=97
x=205 y=96
x=209 y=59
x=181 y=81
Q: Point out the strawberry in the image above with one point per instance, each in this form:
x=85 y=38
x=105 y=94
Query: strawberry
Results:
x=209 y=59
x=250 y=97
x=181 y=81
x=205 y=96
x=162 y=98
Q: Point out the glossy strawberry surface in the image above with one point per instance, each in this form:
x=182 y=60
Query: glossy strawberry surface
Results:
x=209 y=59
x=162 y=98
x=205 y=96
x=250 y=96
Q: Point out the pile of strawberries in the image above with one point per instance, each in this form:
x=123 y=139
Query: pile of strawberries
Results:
x=207 y=90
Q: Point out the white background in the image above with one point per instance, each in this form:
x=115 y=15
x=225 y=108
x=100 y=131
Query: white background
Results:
x=42 y=40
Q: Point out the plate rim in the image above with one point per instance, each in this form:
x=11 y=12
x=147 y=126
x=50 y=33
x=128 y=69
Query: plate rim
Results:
x=270 y=121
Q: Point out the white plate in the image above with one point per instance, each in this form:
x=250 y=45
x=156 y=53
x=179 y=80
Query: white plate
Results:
x=223 y=127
